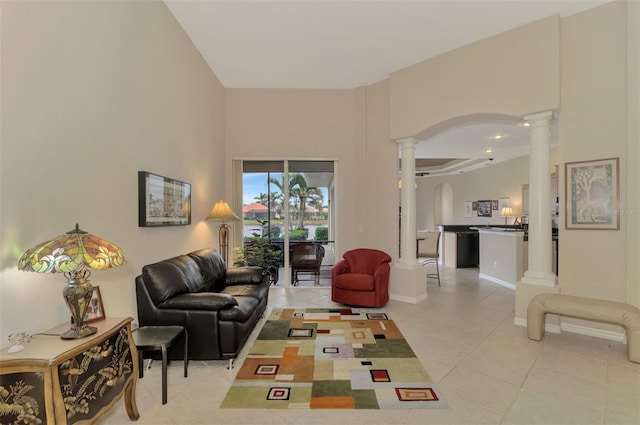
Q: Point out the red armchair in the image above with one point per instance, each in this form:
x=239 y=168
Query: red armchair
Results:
x=361 y=278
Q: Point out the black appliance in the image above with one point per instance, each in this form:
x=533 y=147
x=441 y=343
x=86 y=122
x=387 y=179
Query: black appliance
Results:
x=468 y=249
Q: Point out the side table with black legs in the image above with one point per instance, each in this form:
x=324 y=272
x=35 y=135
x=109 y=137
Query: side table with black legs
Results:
x=153 y=338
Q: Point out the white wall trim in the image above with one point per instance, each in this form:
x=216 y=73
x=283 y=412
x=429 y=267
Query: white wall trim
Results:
x=498 y=281
x=410 y=300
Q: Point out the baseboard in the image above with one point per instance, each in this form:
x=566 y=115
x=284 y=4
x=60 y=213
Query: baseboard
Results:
x=498 y=281
x=577 y=329
x=410 y=300
x=599 y=333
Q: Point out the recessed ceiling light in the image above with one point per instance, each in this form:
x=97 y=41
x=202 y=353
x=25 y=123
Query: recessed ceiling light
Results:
x=526 y=124
x=497 y=136
x=489 y=150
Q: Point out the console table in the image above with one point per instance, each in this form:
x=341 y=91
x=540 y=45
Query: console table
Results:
x=70 y=381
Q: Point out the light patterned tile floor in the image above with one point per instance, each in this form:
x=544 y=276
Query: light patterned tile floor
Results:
x=487 y=369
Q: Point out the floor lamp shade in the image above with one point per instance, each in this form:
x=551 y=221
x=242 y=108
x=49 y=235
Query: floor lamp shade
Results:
x=222 y=212
x=75 y=254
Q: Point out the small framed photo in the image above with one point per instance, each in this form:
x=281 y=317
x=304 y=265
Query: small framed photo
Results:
x=474 y=206
x=95 y=311
x=163 y=201
x=592 y=195
x=494 y=204
x=484 y=208
x=467 y=209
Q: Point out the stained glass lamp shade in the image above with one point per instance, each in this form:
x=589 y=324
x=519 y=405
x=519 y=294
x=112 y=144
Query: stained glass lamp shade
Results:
x=74 y=254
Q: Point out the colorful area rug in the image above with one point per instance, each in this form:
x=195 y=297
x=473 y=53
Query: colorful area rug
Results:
x=331 y=359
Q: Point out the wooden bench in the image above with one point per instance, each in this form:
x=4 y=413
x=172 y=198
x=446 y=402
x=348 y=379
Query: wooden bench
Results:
x=611 y=312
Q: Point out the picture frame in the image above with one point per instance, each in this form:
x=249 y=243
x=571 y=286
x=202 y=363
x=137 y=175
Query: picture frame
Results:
x=467 y=209
x=484 y=208
x=592 y=194
x=163 y=201
x=95 y=311
x=474 y=206
x=494 y=204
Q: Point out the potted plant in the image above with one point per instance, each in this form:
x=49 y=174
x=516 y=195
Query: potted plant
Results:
x=259 y=251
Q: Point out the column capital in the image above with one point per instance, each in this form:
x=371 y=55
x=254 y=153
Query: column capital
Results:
x=406 y=141
x=539 y=118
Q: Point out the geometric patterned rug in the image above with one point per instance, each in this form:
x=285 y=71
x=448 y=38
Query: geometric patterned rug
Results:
x=331 y=359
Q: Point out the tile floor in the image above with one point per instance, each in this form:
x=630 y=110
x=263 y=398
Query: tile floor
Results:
x=485 y=367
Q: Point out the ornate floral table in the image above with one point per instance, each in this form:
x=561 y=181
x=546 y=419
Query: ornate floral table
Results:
x=55 y=381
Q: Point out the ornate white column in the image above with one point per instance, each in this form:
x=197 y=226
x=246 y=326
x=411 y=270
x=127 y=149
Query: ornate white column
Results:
x=540 y=277
x=408 y=202
x=540 y=269
x=408 y=278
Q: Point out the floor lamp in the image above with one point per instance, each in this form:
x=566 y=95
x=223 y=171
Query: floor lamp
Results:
x=222 y=212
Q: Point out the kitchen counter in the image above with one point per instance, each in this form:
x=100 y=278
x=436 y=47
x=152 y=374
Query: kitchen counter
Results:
x=502 y=254
x=460 y=246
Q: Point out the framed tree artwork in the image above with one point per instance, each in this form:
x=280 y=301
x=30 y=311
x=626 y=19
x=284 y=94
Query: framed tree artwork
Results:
x=592 y=192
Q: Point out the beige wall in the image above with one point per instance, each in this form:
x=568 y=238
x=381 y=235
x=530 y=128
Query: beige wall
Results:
x=349 y=126
x=513 y=73
x=577 y=65
x=593 y=126
x=92 y=92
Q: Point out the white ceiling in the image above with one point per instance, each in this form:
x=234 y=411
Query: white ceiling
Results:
x=332 y=44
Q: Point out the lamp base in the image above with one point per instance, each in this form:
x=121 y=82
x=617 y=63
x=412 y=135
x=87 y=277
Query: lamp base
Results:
x=77 y=332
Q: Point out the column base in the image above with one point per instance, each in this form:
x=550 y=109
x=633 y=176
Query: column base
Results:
x=525 y=291
x=408 y=282
x=540 y=278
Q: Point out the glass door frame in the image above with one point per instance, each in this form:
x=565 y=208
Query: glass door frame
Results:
x=238 y=183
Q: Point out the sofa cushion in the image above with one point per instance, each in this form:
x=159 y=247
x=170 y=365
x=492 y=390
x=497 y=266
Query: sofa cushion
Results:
x=199 y=301
x=242 y=312
x=255 y=291
x=244 y=275
x=212 y=268
x=164 y=280
x=193 y=278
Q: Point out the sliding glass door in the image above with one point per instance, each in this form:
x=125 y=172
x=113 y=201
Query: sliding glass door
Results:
x=288 y=203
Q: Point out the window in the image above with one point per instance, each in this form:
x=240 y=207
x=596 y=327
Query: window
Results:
x=287 y=202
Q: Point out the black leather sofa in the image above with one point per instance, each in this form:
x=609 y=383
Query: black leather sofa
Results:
x=218 y=307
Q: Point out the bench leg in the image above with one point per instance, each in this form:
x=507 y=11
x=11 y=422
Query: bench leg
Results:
x=535 y=323
x=633 y=345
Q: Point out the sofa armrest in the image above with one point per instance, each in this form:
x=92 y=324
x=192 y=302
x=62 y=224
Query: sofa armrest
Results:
x=210 y=301
x=245 y=275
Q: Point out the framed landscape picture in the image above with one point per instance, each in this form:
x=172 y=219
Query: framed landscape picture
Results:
x=592 y=193
x=162 y=201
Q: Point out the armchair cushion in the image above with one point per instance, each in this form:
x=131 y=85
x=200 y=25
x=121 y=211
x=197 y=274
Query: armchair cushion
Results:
x=365 y=260
x=355 y=281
